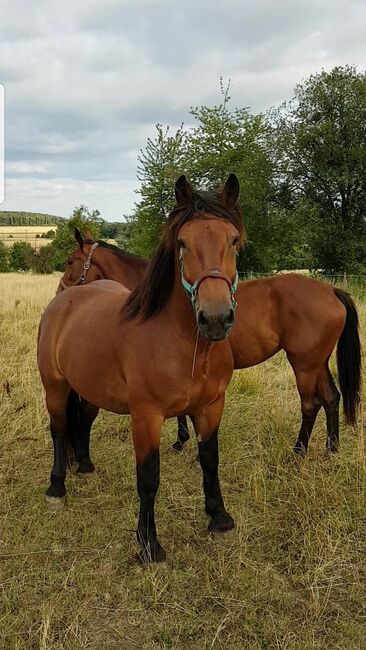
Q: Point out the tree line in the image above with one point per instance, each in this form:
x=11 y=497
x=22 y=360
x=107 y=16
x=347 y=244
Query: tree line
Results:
x=301 y=166
x=16 y=218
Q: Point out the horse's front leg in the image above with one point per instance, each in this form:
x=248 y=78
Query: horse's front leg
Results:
x=146 y=440
x=207 y=426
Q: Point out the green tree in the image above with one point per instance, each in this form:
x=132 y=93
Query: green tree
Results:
x=159 y=165
x=21 y=256
x=223 y=141
x=50 y=234
x=4 y=258
x=320 y=143
x=43 y=261
x=64 y=241
x=232 y=140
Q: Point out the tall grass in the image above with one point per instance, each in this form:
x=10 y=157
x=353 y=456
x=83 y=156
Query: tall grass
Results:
x=291 y=575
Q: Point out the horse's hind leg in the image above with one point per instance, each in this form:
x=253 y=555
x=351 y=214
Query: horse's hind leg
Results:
x=57 y=399
x=87 y=414
x=183 y=433
x=310 y=405
x=330 y=397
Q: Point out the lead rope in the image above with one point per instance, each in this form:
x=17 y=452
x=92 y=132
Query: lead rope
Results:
x=195 y=353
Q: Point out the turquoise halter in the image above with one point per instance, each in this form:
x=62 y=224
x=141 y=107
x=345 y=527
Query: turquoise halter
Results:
x=192 y=289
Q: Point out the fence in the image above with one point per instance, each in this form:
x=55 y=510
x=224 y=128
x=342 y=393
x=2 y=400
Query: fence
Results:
x=355 y=284
x=34 y=236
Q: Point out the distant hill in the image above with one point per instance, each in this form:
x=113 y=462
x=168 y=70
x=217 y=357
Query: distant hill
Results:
x=28 y=219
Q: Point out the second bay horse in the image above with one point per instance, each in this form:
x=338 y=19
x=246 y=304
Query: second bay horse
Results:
x=303 y=316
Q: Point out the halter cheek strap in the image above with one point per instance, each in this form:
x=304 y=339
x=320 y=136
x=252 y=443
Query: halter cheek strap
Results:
x=86 y=267
x=192 y=289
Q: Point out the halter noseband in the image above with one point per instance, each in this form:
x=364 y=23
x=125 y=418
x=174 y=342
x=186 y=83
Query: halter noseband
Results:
x=86 y=267
x=192 y=289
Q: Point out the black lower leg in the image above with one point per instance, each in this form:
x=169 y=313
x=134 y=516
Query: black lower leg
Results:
x=308 y=419
x=88 y=414
x=183 y=433
x=58 y=472
x=147 y=487
x=214 y=504
x=332 y=415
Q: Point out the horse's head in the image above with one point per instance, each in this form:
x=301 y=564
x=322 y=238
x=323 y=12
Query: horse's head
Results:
x=207 y=246
x=81 y=263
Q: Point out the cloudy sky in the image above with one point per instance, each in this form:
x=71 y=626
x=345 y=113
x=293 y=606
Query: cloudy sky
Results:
x=86 y=82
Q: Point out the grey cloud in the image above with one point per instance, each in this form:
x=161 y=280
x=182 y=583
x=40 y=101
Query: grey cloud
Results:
x=86 y=82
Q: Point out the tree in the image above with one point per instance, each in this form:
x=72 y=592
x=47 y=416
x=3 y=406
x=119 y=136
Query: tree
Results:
x=159 y=165
x=222 y=141
x=43 y=260
x=21 y=256
x=64 y=241
x=4 y=258
x=320 y=143
x=232 y=140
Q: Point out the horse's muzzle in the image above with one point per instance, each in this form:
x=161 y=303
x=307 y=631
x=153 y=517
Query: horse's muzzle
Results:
x=215 y=327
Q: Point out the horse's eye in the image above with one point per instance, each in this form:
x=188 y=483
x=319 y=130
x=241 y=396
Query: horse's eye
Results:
x=235 y=241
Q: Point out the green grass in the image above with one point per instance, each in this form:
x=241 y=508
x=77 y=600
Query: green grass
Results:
x=292 y=574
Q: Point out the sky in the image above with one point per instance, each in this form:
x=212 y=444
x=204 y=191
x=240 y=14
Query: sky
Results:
x=86 y=82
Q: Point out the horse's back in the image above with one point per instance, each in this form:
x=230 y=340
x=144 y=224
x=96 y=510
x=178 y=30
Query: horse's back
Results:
x=311 y=317
x=289 y=311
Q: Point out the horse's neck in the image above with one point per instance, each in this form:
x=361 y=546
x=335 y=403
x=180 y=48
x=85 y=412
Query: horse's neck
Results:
x=120 y=270
x=179 y=310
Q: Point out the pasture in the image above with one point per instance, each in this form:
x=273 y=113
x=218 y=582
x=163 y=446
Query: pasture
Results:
x=30 y=234
x=292 y=575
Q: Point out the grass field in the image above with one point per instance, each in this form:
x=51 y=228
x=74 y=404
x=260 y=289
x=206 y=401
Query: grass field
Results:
x=11 y=234
x=292 y=575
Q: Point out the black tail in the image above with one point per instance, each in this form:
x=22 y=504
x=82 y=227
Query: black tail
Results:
x=73 y=418
x=349 y=359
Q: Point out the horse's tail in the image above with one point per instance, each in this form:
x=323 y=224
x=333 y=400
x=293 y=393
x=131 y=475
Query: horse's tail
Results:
x=73 y=420
x=349 y=359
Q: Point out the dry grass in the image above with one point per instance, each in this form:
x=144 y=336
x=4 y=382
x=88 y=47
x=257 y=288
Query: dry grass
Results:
x=291 y=575
x=12 y=234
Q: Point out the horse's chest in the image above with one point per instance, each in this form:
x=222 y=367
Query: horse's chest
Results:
x=200 y=382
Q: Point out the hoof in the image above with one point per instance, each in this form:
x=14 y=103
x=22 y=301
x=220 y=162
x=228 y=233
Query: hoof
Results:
x=221 y=523
x=332 y=449
x=55 y=503
x=86 y=467
x=152 y=553
x=299 y=451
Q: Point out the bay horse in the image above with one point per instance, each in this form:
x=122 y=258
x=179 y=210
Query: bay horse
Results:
x=304 y=317
x=151 y=352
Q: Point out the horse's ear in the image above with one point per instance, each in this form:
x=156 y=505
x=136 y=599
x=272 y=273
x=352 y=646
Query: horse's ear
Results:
x=231 y=190
x=88 y=235
x=183 y=191
x=78 y=237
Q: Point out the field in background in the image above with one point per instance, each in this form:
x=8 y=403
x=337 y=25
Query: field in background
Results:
x=11 y=234
x=292 y=575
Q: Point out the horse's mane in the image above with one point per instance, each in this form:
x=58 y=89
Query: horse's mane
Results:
x=118 y=251
x=153 y=292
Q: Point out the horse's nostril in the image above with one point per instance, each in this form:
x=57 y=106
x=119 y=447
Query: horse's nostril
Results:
x=202 y=319
x=230 y=319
